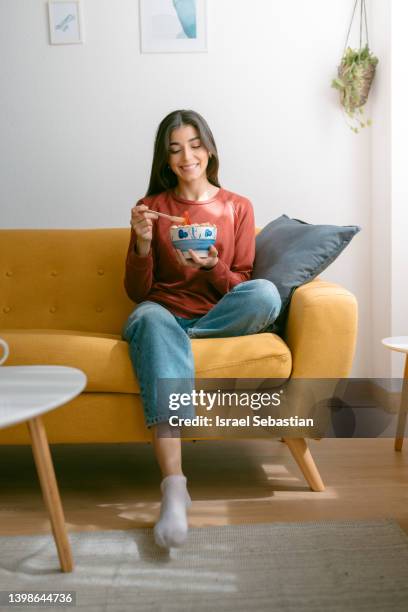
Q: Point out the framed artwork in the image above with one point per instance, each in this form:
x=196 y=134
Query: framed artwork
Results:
x=173 y=26
x=66 y=23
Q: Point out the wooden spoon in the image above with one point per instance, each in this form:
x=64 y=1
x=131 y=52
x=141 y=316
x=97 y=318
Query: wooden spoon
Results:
x=171 y=217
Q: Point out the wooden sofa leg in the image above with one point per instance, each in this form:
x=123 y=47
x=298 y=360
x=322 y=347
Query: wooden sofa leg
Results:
x=303 y=457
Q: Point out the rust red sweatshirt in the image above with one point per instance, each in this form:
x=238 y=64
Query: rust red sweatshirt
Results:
x=185 y=291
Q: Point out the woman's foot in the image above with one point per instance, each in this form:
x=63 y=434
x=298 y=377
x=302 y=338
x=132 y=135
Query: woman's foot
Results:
x=172 y=526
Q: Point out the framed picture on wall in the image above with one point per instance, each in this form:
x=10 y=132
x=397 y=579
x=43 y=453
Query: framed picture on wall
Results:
x=173 y=26
x=66 y=23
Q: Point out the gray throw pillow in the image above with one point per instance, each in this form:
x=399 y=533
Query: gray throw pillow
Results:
x=290 y=252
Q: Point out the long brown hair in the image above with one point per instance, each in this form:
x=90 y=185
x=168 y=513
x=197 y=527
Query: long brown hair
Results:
x=162 y=177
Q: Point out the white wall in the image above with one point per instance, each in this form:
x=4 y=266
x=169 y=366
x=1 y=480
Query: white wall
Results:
x=399 y=182
x=381 y=244
x=390 y=187
x=78 y=122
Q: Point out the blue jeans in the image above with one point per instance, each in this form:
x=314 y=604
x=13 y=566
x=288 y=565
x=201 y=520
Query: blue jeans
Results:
x=160 y=342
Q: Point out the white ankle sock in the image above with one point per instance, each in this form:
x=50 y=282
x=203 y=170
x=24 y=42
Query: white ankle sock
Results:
x=172 y=526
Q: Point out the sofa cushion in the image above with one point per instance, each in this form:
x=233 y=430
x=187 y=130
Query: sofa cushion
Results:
x=105 y=357
x=64 y=279
x=290 y=252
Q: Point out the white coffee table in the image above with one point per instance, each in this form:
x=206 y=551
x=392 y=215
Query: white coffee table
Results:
x=26 y=392
x=400 y=344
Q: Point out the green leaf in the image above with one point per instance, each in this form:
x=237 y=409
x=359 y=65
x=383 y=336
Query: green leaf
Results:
x=338 y=84
x=362 y=56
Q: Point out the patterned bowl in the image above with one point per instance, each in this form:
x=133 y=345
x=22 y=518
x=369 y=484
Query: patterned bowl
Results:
x=198 y=236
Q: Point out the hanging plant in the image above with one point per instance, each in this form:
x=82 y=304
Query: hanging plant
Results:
x=355 y=75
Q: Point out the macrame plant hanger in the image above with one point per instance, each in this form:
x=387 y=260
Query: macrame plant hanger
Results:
x=356 y=73
x=363 y=11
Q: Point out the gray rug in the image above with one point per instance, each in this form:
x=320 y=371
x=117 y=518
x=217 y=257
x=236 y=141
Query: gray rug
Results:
x=314 y=567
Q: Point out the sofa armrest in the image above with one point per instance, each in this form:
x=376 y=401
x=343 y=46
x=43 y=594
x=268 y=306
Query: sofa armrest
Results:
x=321 y=330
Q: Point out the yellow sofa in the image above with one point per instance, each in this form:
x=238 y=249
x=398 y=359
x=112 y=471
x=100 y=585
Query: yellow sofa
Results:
x=62 y=302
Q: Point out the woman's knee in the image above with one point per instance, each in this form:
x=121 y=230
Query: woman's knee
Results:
x=143 y=317
x=267 y=296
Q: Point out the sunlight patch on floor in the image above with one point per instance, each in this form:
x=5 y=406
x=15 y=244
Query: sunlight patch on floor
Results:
x=274 y=468
x=301 y=495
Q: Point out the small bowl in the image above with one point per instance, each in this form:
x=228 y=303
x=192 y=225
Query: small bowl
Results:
x=198 y=237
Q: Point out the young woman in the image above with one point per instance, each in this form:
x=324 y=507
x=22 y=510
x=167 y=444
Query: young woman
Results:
x=180 y=299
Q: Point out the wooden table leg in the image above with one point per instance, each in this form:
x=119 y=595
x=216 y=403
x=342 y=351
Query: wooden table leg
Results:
x=402 y=417
x=49 y=487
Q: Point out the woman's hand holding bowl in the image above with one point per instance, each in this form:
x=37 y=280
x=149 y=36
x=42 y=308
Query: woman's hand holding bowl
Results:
x=199 y=262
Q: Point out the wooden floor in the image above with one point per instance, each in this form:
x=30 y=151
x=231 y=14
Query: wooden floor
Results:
x=244 y=481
